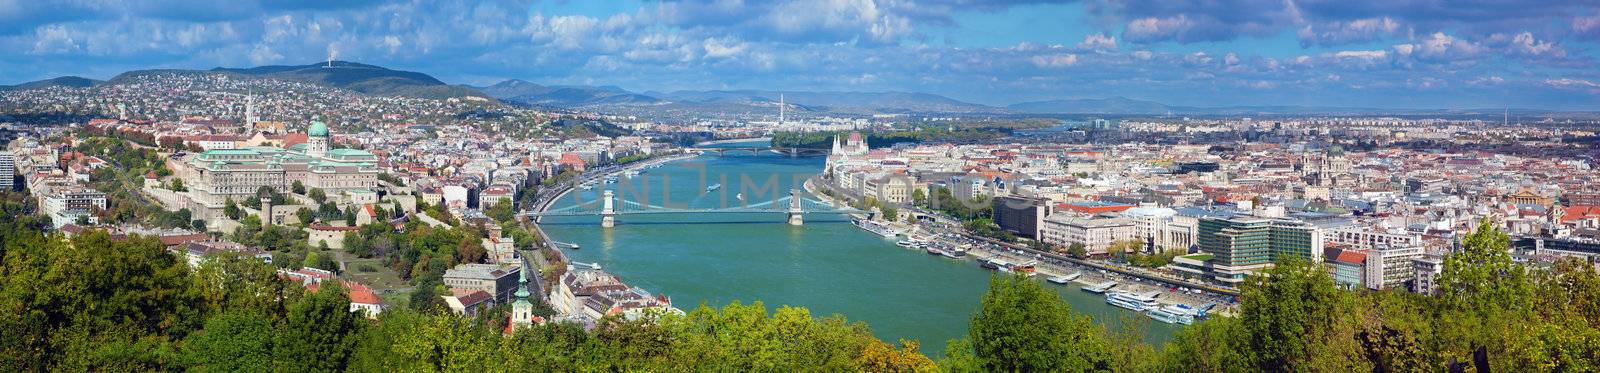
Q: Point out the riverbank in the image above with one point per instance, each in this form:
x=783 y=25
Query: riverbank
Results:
x=1181 y=291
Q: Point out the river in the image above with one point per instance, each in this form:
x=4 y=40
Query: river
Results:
x=827 y=265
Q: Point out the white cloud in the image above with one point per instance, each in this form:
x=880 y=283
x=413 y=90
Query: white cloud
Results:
x=1055 y=60
x=1366 y=55
x=1098 y=42
x=1571 y=83
x=1347 y=32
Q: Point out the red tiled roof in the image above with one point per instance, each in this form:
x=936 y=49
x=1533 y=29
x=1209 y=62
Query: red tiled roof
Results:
x=294 y=138
x=1351 y=257
x=361 y=293
x=471 y=297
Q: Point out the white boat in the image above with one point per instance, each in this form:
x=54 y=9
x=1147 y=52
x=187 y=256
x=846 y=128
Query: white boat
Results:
x=903 y=243
x=876 y=228
x=1184 y=309
x=996 y=264
x=1130 y=301
x=1163 y=314
x=714 y=187
x=1147 y=297
x=1059 y=280
x=954 y=253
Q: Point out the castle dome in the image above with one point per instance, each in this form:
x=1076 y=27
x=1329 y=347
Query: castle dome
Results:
x=318 y=129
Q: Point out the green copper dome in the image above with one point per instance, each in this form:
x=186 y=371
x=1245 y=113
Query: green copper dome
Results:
x=318 y=129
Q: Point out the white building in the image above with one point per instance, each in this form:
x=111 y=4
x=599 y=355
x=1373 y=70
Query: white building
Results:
x=1096 y=235
x=1390 y=267
x=66 y=206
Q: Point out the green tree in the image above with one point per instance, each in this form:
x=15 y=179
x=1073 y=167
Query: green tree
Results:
x=297 y=187
x=319 y=332
x=350 y=215
x=1077 y=250
x=919 y=197
x=1290 y=314
x=231 y=342
x=230 y=209
x=502 y=211
x=1024 y=327
x=305 y=216
x=318 y=195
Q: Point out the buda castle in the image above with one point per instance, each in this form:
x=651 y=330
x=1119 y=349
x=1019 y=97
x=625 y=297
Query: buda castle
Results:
x=215 y=176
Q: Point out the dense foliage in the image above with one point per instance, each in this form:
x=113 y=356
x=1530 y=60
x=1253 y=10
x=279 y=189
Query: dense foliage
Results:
x=96 y=302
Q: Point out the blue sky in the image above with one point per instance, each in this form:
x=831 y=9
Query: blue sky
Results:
x=1368 y=53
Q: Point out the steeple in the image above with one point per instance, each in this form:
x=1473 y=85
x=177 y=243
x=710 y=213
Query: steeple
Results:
x=835 y=145
x=522 y=310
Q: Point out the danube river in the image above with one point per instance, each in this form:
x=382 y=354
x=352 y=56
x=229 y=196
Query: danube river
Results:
x=827 y=265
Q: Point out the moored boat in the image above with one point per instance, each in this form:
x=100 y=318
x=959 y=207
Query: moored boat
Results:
x=1163 y=314
x=1129 y=301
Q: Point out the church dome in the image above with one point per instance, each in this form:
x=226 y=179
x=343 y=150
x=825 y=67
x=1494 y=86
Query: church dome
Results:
x=318 y=129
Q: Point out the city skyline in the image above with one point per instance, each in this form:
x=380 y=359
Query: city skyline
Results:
x=1375 y=54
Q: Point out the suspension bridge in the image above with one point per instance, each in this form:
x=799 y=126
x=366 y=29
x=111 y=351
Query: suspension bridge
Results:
x=609 y=210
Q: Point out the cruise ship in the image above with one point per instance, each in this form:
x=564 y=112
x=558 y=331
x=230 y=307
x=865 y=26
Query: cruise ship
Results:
x=876 y=228
x=1168 y=315
x=713 y=187
x=952 y=253
x=1175 y=314
x=1130 y=301
x=996 y=264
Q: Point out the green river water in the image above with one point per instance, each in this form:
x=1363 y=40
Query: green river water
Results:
x=827 y=265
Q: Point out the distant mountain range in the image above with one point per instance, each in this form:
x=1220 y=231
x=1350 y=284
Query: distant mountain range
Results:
x=617 y=100
x=611 y=98
x=523 y=92
x=380 y=81
x=363 y=78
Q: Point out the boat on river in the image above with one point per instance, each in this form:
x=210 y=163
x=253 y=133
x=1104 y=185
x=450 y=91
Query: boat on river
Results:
x=876 y=228
x=1166 y=315
x=1100 y=287
x=713 y=187
x=1130 y=301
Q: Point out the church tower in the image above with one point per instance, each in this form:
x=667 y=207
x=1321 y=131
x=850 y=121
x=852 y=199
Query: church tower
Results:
x=317 y=140
x=522 y=310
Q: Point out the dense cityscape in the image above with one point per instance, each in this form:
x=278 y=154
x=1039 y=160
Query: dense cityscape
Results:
x=344 y=216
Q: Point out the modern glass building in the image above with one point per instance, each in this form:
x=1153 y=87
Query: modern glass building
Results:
x=1242 y=244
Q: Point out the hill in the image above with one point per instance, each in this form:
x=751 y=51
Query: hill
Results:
x=523 y=92
x=612 y=98
x=64 y=81
x=364 y=78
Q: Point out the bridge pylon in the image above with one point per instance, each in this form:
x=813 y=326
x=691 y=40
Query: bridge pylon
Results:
x=608 y=211
x=796 y=214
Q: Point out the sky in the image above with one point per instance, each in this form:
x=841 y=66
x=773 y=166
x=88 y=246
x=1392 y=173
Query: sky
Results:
x=1538 y=54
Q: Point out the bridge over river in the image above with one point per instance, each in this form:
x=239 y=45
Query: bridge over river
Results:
x=608 y=210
